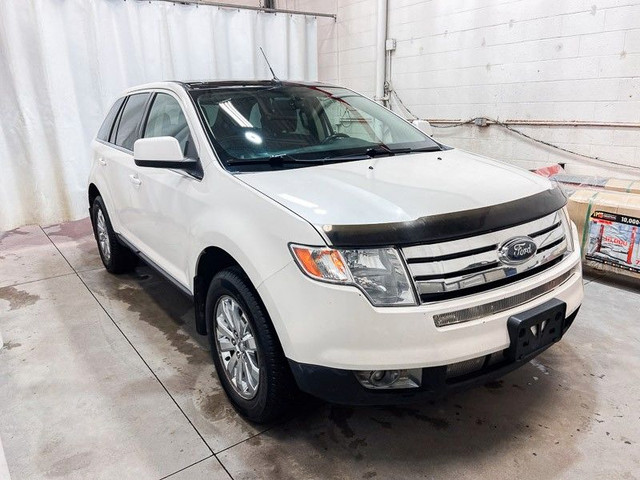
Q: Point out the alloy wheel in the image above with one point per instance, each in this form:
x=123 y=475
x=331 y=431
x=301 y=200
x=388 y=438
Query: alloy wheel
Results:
x=237 y=347
x=103 y=235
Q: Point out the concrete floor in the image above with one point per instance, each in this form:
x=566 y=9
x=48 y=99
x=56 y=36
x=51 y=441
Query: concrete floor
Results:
x=105 y=377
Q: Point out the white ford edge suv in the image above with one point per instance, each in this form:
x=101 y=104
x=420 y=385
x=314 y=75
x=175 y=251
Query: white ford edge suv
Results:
x=330 y=246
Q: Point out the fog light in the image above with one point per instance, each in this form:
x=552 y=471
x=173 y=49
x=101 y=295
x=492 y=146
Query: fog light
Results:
x=383 y=378
x=390 y=379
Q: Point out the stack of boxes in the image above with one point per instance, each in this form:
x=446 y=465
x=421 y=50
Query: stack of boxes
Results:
x=607 y=214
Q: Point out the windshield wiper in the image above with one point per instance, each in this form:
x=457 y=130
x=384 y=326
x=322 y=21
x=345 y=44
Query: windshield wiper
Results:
x=278 y=160
x=412 y=150
x=272 y=160
x=371 y=152
x=380 y=149
x=345 y=158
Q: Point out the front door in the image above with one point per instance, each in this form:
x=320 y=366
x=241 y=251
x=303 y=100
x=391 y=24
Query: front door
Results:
x=164 y=203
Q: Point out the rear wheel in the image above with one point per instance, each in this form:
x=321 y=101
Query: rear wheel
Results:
x=116 y=258
x=246 y=352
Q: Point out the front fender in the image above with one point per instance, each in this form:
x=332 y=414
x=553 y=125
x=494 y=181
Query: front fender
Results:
x=251 y=228
x=255 y=231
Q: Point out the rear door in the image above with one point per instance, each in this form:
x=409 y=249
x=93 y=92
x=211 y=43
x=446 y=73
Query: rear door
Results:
x=121 y=173
x=102 y=153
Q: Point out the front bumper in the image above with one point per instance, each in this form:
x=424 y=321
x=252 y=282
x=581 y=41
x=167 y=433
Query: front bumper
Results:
x=336 y=326
x=341 y=386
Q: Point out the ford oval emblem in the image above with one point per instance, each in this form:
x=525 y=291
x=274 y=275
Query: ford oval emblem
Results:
x=517 y=250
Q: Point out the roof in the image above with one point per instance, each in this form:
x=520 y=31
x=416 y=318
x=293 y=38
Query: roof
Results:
x=206 y=84
x=245 y=83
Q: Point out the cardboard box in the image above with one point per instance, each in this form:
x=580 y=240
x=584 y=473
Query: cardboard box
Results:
x=609 y=229
x=585 y=181
x=620 y=185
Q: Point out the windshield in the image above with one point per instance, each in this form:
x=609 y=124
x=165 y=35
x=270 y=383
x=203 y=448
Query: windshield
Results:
x=284 y=126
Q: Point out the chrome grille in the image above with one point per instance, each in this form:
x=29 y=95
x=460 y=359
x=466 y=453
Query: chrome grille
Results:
x=462 y=267
x=484 y=310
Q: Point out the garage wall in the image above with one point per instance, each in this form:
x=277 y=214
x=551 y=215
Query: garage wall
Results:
x=62 y=64
x=509 y=60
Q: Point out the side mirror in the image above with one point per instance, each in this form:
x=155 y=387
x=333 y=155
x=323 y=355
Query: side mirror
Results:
x=423 y=126
x=160 y=152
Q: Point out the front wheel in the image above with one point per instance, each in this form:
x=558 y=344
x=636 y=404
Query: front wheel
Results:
x=246 y=352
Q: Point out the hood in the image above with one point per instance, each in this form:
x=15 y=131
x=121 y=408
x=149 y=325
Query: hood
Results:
x=396 y=189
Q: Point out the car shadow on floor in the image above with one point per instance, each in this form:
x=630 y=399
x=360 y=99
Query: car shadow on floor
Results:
x=523 y=415
x=158 y=293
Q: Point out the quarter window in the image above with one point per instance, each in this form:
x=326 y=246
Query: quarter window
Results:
x=130 y=120
x=105 y=130
x=166 y=119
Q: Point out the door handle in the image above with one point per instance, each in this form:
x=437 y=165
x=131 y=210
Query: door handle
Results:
x=102 y=162
x=135 y=180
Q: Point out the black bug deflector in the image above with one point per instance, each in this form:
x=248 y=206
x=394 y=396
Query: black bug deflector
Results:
x=449 y=226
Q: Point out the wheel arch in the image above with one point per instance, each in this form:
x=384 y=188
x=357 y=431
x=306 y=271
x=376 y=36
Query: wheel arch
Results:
x=92 y=193
x=210 y=261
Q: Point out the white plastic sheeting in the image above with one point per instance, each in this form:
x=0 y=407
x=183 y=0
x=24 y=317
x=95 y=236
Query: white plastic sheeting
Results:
x=63 y=62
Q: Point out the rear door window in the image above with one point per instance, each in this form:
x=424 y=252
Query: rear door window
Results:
x=129 y=123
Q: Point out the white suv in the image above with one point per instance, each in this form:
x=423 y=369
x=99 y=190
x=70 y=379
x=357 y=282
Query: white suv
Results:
x=328 y=244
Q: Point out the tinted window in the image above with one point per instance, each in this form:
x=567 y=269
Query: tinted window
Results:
x=130 y=119
x=302 y=123
x=105 y=129
x=166 y=119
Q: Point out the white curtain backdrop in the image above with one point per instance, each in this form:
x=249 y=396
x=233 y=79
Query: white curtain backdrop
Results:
x=63 y=62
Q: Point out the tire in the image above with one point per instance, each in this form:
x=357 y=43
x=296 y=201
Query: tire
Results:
x=275 y=387
x=116 y=258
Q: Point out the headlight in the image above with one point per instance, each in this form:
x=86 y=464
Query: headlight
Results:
x=378 y=272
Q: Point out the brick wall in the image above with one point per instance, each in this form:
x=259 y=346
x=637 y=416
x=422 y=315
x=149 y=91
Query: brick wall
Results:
x=505 y=59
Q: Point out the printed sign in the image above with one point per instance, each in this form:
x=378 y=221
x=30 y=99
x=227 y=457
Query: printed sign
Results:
x=614 y=240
